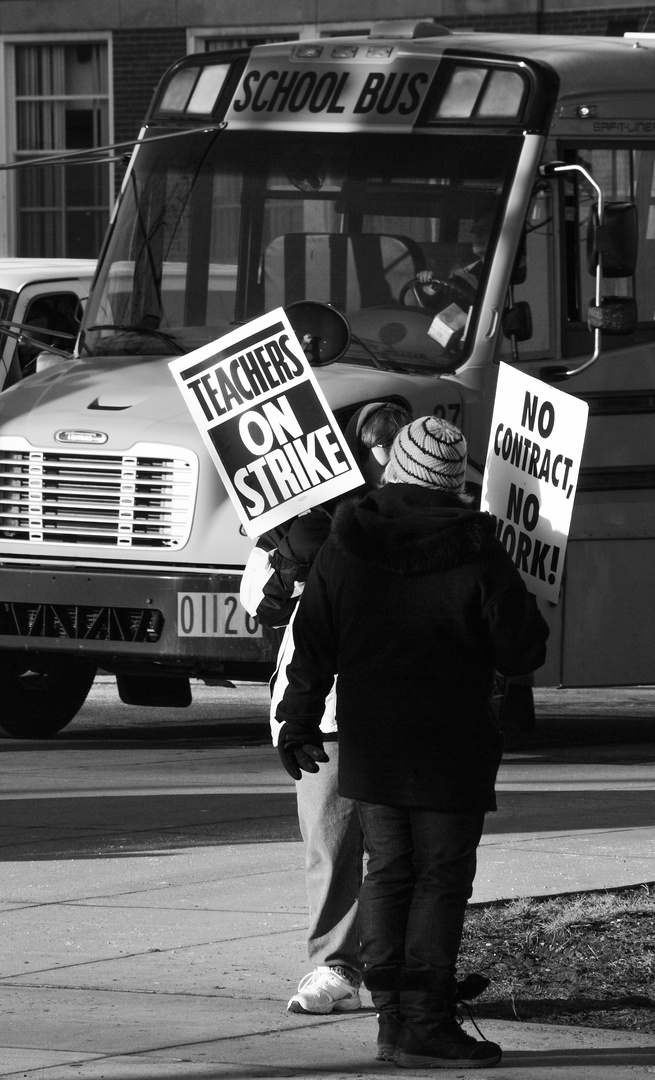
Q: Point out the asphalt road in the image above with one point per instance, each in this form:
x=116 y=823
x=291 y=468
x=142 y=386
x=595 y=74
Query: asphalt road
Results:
x=208 y=775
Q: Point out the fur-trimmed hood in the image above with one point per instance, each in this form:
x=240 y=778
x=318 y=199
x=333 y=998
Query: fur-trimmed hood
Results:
x=408 y=529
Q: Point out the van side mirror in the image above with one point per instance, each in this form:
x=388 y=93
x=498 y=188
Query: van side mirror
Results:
x=615 y=241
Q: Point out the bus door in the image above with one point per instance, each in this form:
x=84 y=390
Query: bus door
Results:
x=604 y=624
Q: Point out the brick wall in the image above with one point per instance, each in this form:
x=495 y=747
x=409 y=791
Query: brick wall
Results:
x=140 y=59
x=590 y=21
x=586 y=21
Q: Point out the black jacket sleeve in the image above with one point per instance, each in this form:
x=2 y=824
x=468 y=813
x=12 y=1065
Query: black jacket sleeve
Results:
x=290 y=562
x=517 y=628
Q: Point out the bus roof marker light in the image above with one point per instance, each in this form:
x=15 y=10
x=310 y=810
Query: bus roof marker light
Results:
x=585 y=112
x=344 y=52
x=380 y=52
x=309 y=52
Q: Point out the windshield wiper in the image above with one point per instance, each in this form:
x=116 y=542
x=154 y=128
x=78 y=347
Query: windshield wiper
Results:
x=143 y=331
x=20 y=333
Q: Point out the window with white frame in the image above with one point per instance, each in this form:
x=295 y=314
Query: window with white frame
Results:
x=208 y=41
x=61 y=103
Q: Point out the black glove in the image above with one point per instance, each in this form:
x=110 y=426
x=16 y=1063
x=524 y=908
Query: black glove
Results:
x=306 y=536
x=299 y=751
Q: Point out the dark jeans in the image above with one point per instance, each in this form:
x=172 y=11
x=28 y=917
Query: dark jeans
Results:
x=413 y=899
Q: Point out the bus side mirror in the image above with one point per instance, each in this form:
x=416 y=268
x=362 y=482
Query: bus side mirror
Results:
x=323 y=332
x=517 y=321
x=615 y=241
x=612 y=253
x=520 y=268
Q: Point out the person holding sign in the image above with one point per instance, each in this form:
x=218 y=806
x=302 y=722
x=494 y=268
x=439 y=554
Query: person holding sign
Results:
x=272 y=584
x=414 y=603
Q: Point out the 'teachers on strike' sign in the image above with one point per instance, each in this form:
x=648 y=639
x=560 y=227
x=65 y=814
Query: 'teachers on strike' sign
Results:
x=263 y=417
x=531 y=474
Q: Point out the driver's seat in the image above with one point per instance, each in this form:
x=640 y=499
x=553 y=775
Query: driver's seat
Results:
x=350 y=271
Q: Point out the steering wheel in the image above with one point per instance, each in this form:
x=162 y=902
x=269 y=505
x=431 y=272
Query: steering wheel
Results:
x=450 y=291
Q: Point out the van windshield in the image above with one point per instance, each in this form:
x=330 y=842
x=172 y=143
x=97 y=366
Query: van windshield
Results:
x=216 y=228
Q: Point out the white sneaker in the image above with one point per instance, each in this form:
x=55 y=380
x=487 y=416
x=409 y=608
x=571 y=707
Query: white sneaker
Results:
x=326 y=990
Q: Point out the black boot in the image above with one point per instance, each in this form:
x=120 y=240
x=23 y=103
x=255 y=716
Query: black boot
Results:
x=446 y=1046
x=389 y=1025
x=384 y=986
x=431 y=1037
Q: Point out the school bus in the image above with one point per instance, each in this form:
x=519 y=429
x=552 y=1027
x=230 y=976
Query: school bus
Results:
x=424 y=205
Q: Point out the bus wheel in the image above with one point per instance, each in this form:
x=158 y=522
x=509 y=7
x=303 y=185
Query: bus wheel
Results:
x=39 y=696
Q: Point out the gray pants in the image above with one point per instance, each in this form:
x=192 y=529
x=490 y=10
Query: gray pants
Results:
x=334 y=851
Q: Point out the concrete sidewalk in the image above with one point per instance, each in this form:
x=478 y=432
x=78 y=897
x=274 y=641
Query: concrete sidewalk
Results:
x=178 y=962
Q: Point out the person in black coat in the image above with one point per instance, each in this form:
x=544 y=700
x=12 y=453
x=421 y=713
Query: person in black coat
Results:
x=272 y=583
x=413 y=604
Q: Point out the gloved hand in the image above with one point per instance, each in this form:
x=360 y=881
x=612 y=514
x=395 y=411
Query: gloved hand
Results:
x=300 y=751
x=306 y=536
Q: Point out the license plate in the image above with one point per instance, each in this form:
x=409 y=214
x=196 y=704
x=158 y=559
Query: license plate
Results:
x=201 y=614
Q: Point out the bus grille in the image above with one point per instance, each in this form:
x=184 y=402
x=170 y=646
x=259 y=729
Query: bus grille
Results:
x=135 y=500
x=82 y=623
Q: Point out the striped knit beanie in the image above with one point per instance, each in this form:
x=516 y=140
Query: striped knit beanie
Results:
x=430 y=452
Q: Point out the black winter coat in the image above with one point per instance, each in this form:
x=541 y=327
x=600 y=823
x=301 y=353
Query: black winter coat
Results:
x=413 y=603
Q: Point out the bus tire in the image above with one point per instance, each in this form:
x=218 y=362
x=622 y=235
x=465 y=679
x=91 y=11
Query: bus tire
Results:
x=40 y=696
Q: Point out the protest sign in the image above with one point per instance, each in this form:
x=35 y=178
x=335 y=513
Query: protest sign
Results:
x=531 y=474
x=266 y=424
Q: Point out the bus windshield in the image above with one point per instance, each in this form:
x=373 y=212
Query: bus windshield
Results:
x=216 y=228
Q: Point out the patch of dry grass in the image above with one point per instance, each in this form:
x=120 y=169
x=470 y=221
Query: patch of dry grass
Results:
x=586 y=959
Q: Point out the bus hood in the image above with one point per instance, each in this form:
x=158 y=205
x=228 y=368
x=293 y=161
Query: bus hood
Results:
x=137 y=400
x=131 y=400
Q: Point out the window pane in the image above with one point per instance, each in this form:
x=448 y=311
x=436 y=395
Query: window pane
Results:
x=462 y=93
x=61 y=105
x=503 y=95
x=220 y=231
